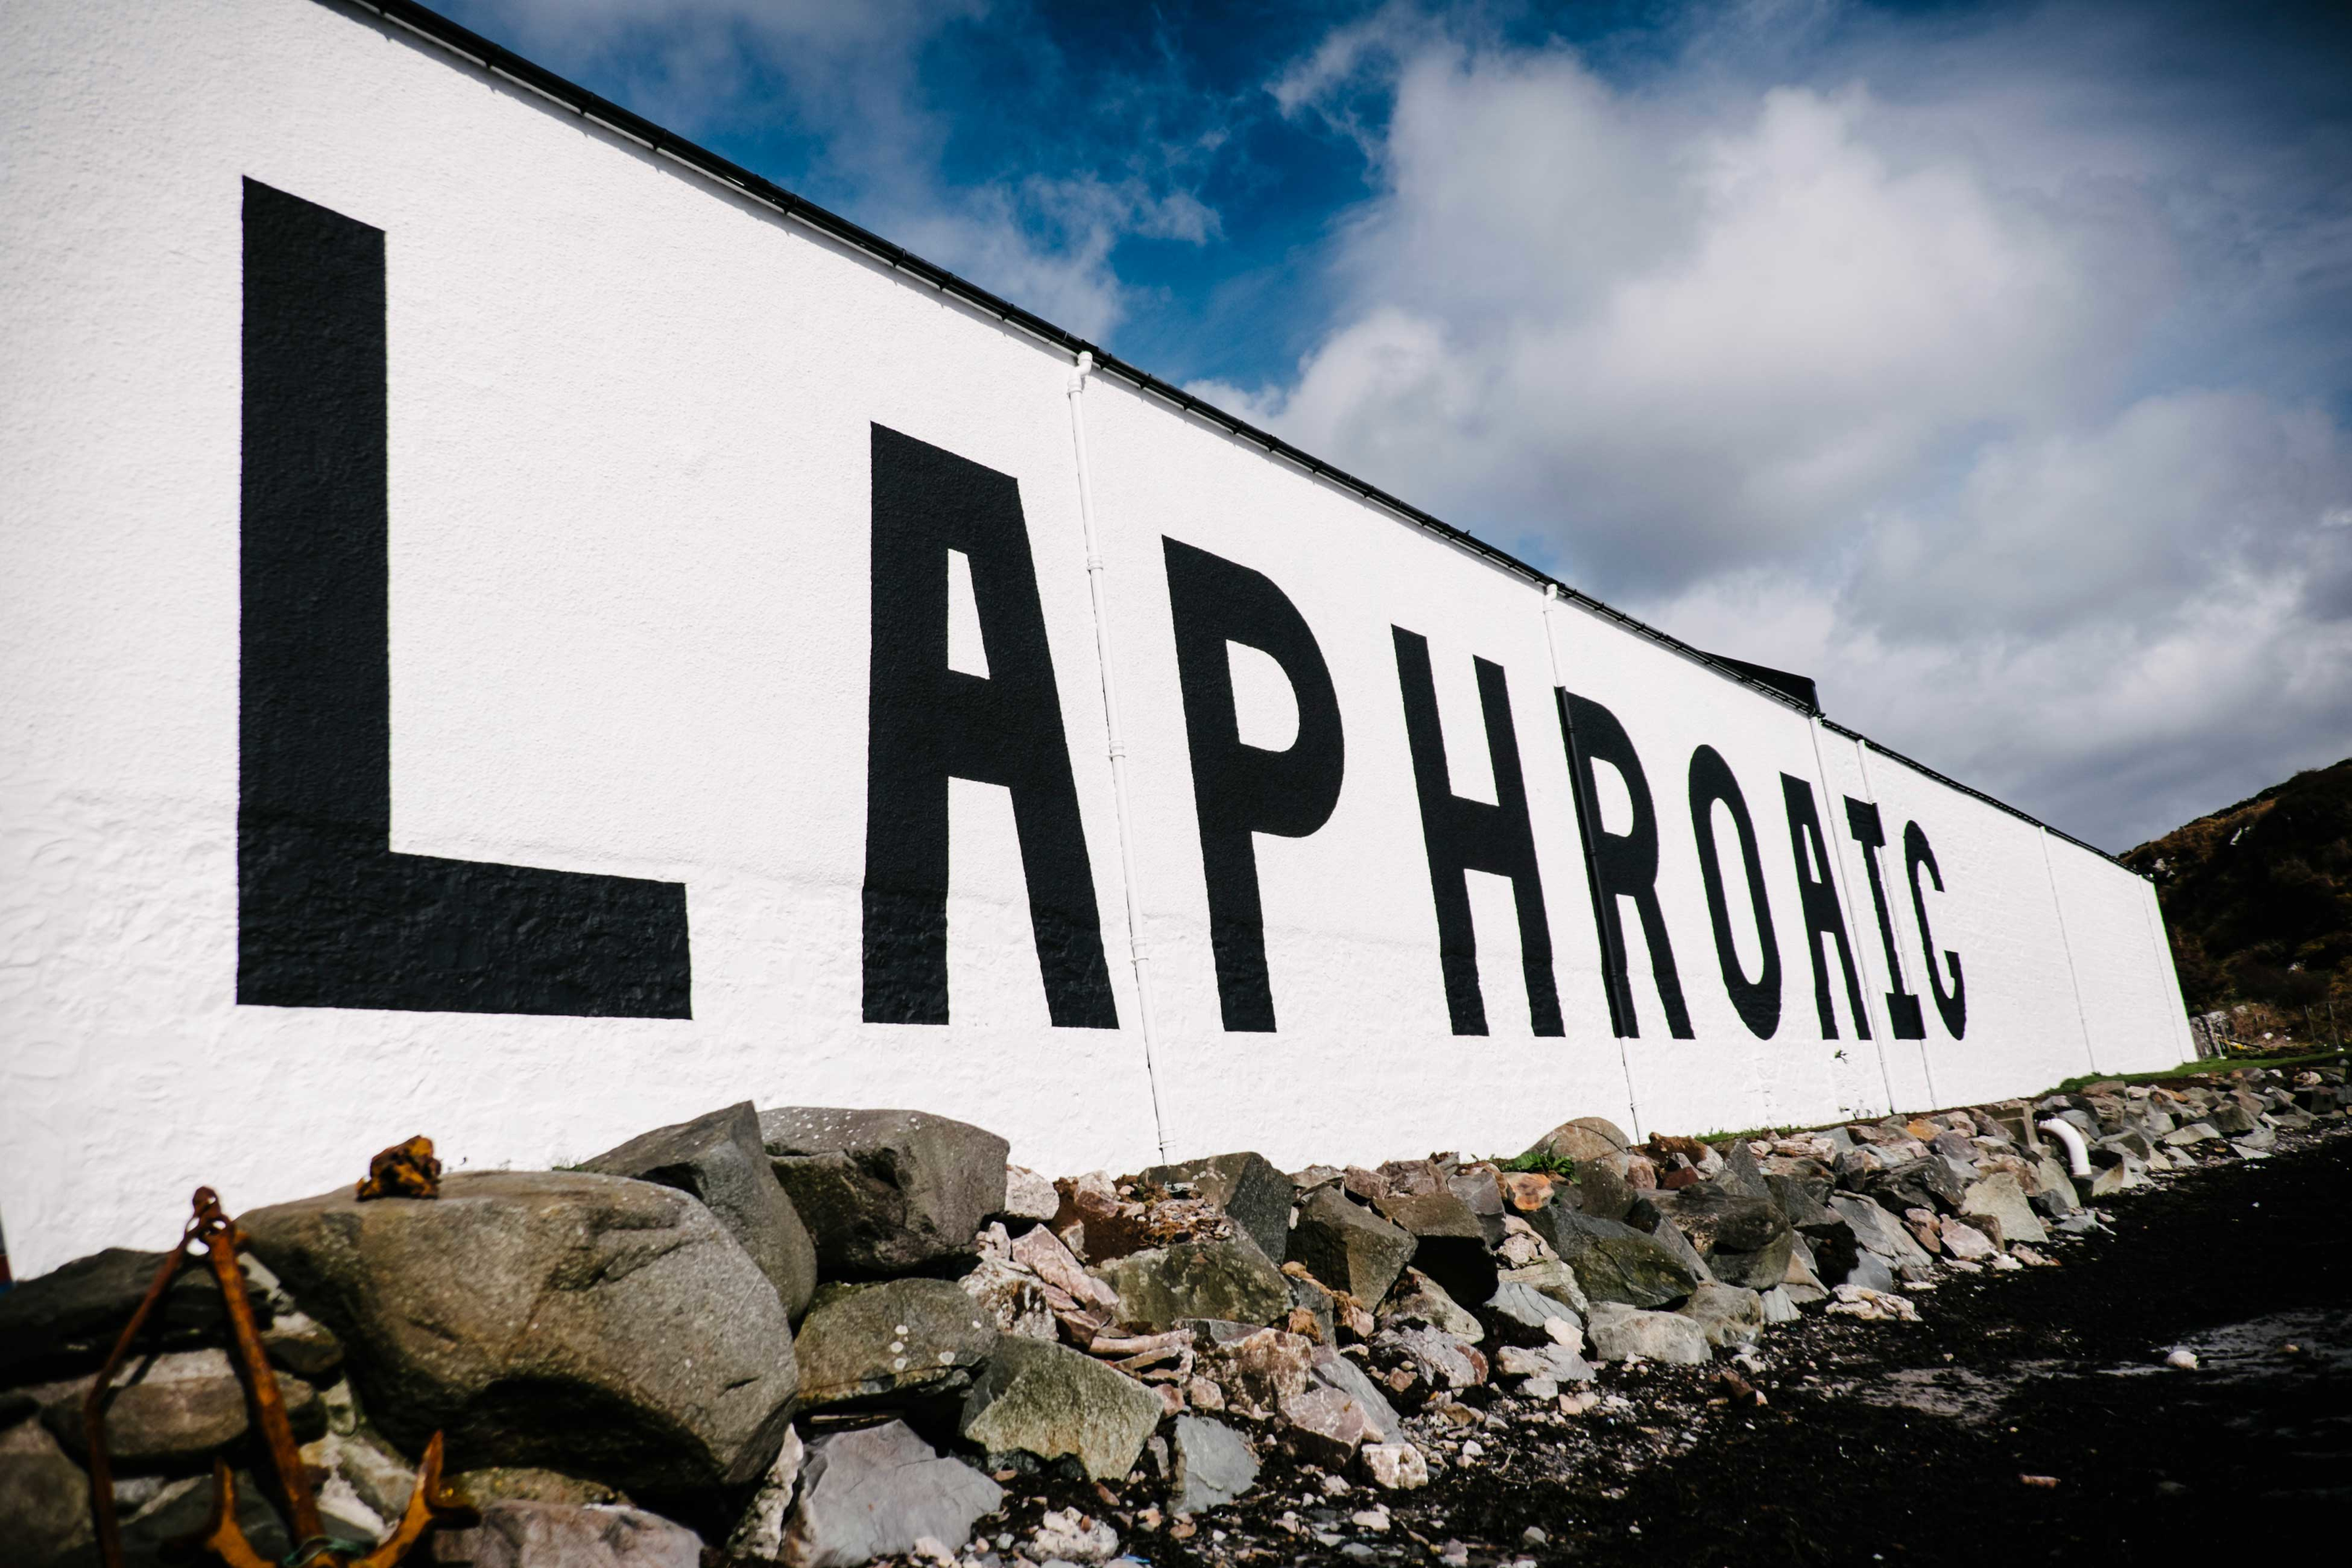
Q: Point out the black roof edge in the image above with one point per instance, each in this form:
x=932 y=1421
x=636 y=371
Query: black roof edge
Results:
x=1800 y=687
x=501 y=61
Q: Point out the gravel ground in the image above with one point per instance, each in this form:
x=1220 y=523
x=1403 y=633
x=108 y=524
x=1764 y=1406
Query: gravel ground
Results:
x=2029 y=1414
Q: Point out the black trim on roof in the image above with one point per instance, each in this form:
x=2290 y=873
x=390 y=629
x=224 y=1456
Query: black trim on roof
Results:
x=499 y=61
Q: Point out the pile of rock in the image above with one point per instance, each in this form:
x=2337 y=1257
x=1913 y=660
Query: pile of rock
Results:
x=820 y=1337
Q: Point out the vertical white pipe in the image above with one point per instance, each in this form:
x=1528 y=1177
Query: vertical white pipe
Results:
x=1135 y=945
x=2066 y=946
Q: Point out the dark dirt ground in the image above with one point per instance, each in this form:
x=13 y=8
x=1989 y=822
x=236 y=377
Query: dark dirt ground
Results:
x=1907 y=1442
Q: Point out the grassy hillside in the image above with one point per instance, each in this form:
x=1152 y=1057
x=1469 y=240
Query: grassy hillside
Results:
x=2258 y=896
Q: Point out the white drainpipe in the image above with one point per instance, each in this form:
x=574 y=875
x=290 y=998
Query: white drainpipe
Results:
x=1135 y=946
x=2078 y=1154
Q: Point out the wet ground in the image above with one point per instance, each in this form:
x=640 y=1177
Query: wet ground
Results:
x=1914 y=1443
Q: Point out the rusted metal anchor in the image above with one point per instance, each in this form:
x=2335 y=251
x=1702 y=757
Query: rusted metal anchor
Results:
x=429 y=1504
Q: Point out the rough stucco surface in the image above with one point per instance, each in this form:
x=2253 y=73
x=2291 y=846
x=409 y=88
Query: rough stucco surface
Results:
x=629 y=432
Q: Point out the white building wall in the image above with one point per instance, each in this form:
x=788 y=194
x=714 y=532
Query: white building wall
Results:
x=631 y=498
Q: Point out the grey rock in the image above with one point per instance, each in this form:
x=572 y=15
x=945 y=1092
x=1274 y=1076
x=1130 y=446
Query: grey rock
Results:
x=1726 y=1314
x=589 y=1323
x=719 y=1159
x=520 y=1483
x=63 y=1324
x=2195 y=1132
x=1479 y=1191
x=1449 y=1244
x=1778 y=1305
x=1547 y=1365
x=1442 y=1360
x=1999 y=1198
x=1348 y=1247
x=1602 y=1191
x=1668 y=1235
x=515 y=1534
x=1244 y=1186
x=1530 y=1307
x=1879 y=1232
x=1213 y=1464
x=2231 y=1119
x=1552 y=1279
x=300 y=1344
x=876 y=1491
x=1308 y=1296
x=1418 y=1298
x=1029 y=1196
x=884 y=1192
x=44 y=1496
x=1614 y=1262
x=1620 y=1332
x=1257 y=1368
x=1586 y=1138
x=760 y=1529
x=1228 y=1278
x=890 y=1342
x=1337 y=1411
x=178 y=1406
x=1871 y=1272
x=1327 y=1368
x=1046 y=1400
x=1012 y=1299
x=1740 y=1175
x=151 y=1537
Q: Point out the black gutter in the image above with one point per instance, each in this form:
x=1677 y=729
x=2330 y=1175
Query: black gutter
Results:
x=501 y=61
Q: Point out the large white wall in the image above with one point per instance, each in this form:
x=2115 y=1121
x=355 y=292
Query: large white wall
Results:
x=630 y=423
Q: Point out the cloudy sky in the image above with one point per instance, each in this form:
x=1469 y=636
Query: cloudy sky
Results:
x=1991 y=362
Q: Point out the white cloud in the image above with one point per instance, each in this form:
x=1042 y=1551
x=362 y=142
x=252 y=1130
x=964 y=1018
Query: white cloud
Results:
x=1881 y=369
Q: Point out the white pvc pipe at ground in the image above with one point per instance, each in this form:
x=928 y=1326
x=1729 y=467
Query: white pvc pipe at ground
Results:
x=2078 y=1154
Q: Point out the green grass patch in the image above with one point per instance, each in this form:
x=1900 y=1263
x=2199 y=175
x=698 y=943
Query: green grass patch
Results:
x=1540 y=1163
x=2205 y=1066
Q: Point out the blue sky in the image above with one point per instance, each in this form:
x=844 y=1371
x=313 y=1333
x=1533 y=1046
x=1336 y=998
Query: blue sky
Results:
x=1991 y=362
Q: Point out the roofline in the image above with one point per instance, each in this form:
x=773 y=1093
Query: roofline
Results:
x=497 y=61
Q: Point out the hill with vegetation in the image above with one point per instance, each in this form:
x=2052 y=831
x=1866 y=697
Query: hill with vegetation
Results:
x=2258 y=897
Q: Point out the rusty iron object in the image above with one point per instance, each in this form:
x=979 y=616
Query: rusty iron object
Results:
x=403 y=1171
x=429 y=1504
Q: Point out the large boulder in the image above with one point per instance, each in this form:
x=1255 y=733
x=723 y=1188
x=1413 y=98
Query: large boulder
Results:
x=63 y=1324
x=601 y=1326
x=1999 y=1198
x=875 y=1492
x=44 y=1496
x=1621 y=1333
x=1449 y=1244
x=719 y=1159
x=1228 y=1278
x=1348 y=1247
x=514 y=1534
x=890 y=1342
x=1050 y=1401
x=884 y=1192
x=1245 y=1186
x=1586 y=1138
x=1743 y=1239
x=1614 y=1262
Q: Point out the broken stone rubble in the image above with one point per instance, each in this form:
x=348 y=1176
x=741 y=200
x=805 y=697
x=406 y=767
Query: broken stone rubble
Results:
x=1413 y=1306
